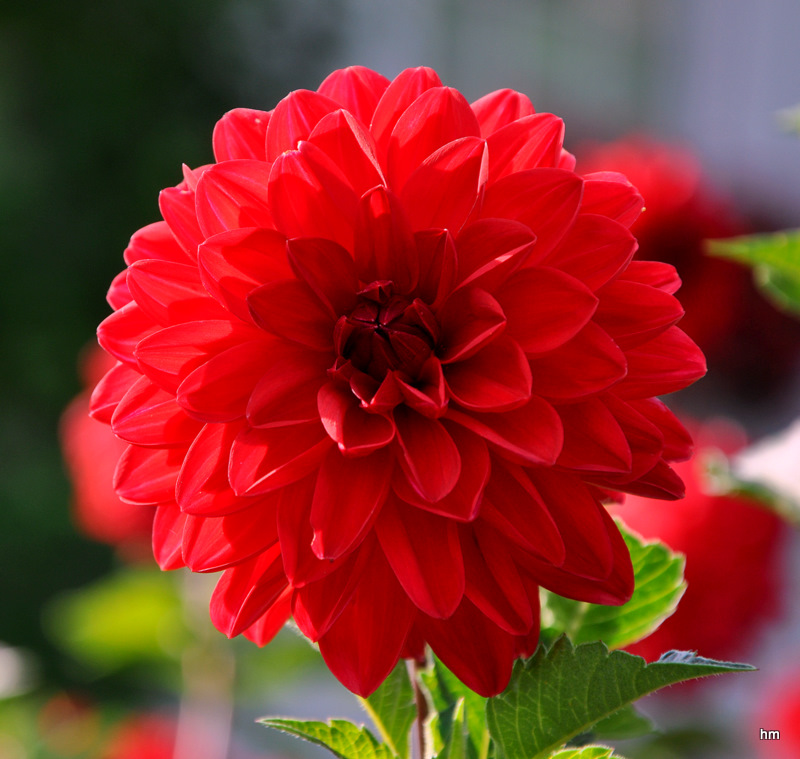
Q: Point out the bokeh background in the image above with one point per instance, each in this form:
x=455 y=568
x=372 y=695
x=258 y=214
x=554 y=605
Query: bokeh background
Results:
x=100 y=103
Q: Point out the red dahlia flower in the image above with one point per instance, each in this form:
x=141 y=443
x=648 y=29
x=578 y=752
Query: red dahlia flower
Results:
x=379 y=365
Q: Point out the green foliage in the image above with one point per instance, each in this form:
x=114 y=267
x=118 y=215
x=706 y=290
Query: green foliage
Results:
x=625 y=723
x=561 y=692
x=343 y=738
x=132 y=616
x=449 y=698
x=659 y=586
x=587 y=752
x=775 y=259
x=393 y=709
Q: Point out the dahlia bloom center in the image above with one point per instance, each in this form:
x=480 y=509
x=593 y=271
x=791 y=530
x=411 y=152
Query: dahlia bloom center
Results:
x=386 y=332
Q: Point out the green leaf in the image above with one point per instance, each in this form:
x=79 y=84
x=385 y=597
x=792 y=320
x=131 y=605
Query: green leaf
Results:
x=457 y=745
x=659 y=585
x=626 y=723
x=561 y=692
x=131 y=616
x=775 y=259
x=393 y=709
x=586 y=752
x=446 y=691
x=343 y=738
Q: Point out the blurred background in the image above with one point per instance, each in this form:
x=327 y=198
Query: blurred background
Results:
x=100 y=103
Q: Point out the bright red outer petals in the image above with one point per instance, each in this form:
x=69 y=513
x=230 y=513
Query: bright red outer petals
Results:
x=424 y=553
x=347 y=497
x=241 y=133
x=364 y=643
x=380 y=364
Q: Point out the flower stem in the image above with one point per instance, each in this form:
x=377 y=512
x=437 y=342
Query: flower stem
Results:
x=414 y=669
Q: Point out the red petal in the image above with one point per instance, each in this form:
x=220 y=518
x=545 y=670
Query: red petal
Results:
x=356 y=432
x=613 y=590
x=294 y=118
x=438 y=116
x=428 y=393
x=214 y=543
x=154 y=241
x=678 y=443
x=398 y=96
x=430 y=459
x=593 y=440
x=594 y=250
x=545 y=308
x=271 y=622
x=317 y=605
x=546 y=200
x=464 y=500
x=469 y=319
x=232 y=264
x=529 y=143
x=311 y=197
x=245 y=592
x=362 y=647
x=289 y=309
x=437 y=265
x=120 y=333
x=582 y=523
x=489 y=250
x=233 y=195
x=668 y=363
x=588 y=363
x=633 y=313
x=118 y=294
x=357 y=88
x=169 y=355
x=501 y=108
x=328 y=269
x=167 y=536
x=611 y=194
x=424 y=553
x=202 y=487
x=110 y=391
x=496 y=378
x=147 y=475
x=532 y=433
x=350 y=147
x=473 y=647
x=384 y=244
x=287 y=390
x=295 y=533
x=443 y=190
x=241 y=133
x=219 y=390
x=177 y=206
x=493 y=582
x=514 y=507
x=169 y=292
x=654 y=273
x=348 y=496
x=149 y=416
x=263 y=460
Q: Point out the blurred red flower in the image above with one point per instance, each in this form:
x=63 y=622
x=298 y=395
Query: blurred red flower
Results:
x=91 y=452
x=379 y=365
x=142 y=737
x=734 y=566
x=750 y=345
